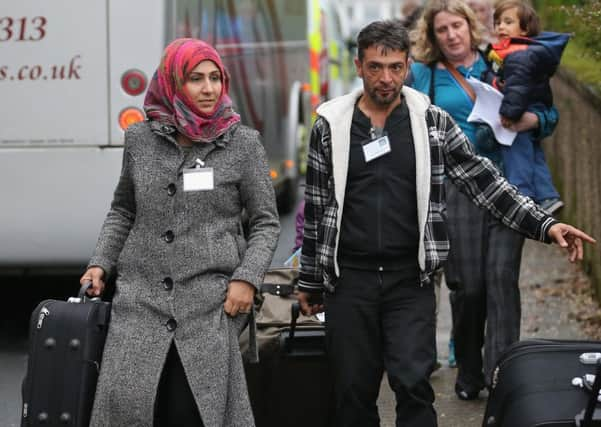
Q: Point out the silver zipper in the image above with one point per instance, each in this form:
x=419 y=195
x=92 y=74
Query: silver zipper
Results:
x=495 y=377
x=43 y=313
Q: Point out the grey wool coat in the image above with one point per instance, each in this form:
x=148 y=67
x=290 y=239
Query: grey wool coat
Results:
x=174 y=253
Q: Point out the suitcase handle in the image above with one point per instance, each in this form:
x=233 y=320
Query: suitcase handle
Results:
x=589 y=416
x=294 y=313
x=84 y=288
x=82 y=297
x=592 y=403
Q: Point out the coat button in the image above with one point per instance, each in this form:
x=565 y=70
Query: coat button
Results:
x=169 y=236
x=168 y=283
x=171 y=325
x=171 y=189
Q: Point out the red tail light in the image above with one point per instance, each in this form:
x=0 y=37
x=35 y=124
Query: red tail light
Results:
x=134 y=82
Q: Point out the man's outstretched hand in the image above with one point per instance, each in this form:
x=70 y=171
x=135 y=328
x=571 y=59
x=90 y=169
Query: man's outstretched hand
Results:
x=570 y=238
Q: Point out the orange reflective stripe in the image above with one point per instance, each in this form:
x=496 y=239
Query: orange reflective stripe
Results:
x=314 y=59
x=314 y=100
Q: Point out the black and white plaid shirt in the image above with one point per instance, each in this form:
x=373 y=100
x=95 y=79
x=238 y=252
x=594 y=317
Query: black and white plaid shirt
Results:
x=442 y=150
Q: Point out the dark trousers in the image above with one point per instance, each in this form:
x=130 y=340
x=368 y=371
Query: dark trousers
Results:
x=175 y=404
x=484 y=269
x=378 y=321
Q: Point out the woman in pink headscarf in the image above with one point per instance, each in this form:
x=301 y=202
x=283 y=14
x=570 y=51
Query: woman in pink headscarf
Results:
x=185 y=273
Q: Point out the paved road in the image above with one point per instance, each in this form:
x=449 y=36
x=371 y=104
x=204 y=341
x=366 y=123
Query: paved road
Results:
x=12 y=364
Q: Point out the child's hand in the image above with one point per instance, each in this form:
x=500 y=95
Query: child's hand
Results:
x=507 y=123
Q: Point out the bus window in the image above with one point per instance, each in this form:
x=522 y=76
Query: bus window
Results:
x=195 y=18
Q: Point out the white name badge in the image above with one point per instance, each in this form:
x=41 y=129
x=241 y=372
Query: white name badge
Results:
x=198 y=179
x=376 y=148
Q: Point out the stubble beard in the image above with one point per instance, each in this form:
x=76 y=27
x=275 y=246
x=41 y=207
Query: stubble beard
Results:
x=380 y=100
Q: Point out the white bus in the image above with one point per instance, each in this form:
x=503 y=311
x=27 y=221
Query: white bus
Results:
x=73 y=74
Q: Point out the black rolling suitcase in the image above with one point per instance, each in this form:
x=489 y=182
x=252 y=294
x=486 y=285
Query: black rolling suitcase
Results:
x=546 y=383
x=290 y=386
x=66 y=339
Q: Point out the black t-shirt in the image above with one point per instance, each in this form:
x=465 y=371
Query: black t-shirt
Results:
x=379 y=219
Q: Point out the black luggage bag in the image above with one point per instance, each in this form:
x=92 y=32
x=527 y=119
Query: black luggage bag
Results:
x=66 y=340
x=546 y=383
x=290 y=386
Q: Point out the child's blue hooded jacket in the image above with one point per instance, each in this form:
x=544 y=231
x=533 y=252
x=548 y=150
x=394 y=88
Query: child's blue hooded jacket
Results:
x=526 y=72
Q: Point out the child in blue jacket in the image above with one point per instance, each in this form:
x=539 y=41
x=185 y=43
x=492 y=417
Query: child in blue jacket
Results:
x=524 y=60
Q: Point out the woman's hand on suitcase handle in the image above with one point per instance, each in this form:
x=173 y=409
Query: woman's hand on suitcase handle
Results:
x=240 y=298
x=307 y=306
x=95 y=275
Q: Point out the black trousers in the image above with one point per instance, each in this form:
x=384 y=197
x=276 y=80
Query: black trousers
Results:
x=175 y=405
x=378 y=321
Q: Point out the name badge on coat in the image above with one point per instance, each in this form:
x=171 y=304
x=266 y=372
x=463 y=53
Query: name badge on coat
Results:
x=376 y=148
x=198 y=178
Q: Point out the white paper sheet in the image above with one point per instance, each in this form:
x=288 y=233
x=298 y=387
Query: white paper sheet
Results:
x=486 y=110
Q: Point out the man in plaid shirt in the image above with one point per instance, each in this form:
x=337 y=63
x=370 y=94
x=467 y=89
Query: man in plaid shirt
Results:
x=375 y=229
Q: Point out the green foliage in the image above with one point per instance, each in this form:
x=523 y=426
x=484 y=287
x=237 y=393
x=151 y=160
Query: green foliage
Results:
x=585 y=68
x=580 y=17
x=553 y=13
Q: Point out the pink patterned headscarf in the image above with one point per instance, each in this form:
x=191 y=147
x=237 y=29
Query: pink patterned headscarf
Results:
x=168 y=102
